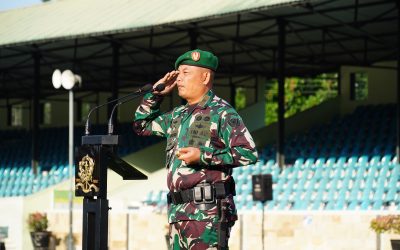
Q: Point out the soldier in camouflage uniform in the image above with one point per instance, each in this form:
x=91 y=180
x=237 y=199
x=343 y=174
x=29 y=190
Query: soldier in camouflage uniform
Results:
x=206 y=138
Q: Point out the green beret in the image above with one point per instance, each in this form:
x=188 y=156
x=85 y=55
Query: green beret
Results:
x=199 y=58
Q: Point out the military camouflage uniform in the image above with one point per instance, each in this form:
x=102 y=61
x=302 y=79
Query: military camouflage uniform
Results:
x=224 y=142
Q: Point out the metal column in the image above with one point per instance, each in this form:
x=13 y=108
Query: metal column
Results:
x=71 y=171
x=280 y=155
x=233 y=67
x=35 y=113
x=398 y=85
x=114 y=81
x=193 y=34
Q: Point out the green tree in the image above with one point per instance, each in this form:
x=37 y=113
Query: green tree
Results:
x=240 y=98
x=300 y=94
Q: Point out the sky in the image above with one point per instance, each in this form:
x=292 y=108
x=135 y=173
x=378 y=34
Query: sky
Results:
x=14 y=4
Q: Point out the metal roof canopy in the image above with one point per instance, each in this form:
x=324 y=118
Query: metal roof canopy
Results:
x=320 y=36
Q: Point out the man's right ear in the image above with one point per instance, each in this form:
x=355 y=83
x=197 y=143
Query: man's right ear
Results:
x=207 y=77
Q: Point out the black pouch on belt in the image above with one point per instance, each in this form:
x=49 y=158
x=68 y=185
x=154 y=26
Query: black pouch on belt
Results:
x=222 y=224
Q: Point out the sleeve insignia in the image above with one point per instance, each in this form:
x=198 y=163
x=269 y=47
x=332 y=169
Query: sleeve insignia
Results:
x=234 y=122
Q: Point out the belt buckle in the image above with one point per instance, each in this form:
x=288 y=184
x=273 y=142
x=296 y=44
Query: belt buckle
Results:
x=203 y=194
x=197 y=195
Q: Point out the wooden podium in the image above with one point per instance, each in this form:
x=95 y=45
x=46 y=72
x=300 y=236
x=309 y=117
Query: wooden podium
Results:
x=92 y=159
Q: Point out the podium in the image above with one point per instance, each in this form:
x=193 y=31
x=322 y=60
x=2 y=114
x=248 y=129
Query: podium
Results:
x=92 y=159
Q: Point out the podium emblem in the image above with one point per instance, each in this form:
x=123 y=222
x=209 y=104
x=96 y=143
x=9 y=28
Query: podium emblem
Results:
x=85 y=180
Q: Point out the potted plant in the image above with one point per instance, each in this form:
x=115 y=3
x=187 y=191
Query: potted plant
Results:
x=38 y=223
x=387 y=224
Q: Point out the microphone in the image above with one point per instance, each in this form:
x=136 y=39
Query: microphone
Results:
x=146 y=87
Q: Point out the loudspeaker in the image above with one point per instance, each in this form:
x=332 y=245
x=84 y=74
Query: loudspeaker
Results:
x=262 y=187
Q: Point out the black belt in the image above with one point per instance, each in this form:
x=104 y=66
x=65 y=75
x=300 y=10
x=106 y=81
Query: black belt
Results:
x=202 y=193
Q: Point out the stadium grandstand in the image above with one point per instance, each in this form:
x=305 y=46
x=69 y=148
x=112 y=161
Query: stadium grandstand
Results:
x=334 y=162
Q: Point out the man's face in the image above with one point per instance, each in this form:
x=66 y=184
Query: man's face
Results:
x=190 y=82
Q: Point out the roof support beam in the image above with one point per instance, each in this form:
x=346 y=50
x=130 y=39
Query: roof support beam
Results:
x=347 y=51
x=303 y=41
x=218 y=39
x=356 y=28
x=306 y=60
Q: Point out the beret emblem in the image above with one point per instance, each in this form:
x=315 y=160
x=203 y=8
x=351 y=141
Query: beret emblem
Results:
x=195 y=56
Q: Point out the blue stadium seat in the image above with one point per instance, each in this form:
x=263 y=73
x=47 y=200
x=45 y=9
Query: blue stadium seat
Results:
x=318 y=204
x=341 y=161
x=386 y=159
x=365 y=205
x=299 y=161
x=345 y=164
x=377 y=205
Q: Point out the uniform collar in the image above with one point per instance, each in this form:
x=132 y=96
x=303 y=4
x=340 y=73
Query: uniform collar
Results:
x=204 y=101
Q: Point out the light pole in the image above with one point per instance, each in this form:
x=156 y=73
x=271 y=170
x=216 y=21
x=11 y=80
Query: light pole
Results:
x=67 y=79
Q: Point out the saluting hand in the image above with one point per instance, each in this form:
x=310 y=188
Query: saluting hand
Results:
x=170 y=82
x=189 y=155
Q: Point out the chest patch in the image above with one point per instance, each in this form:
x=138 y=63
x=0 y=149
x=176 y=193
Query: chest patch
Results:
x=199 y=130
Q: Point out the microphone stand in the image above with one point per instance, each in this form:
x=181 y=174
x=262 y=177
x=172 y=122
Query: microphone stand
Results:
x=145 y=88
x=158 y=88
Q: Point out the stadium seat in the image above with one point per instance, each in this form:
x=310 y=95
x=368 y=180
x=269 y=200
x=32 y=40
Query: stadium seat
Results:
x=347 y=164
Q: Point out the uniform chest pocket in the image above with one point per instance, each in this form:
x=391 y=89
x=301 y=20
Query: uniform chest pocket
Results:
x=173 y=133
x=199 y=131
x=172 y=141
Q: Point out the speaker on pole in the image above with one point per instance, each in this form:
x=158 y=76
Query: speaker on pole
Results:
x=262 y=187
